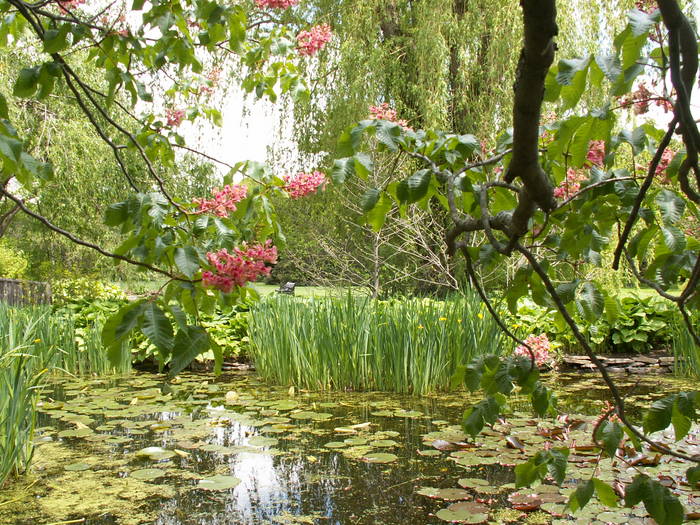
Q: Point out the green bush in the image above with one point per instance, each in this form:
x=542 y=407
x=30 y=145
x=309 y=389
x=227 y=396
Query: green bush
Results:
x=13 y=262
x=639 y=324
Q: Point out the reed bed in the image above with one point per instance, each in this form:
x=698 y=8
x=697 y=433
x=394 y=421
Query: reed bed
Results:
x=685 y=351
x=19 y=392
x=354 y=342
x=55 y=342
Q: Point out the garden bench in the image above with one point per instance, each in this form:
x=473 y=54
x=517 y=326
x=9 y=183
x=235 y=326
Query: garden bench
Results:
x=287 y=288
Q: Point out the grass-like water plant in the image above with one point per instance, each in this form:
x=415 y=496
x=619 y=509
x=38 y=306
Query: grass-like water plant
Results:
x=353 y=342
x=54 y=341
x=685 y=351
x=19 y=384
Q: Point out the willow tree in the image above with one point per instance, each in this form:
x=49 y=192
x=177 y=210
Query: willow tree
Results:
x=444 y=64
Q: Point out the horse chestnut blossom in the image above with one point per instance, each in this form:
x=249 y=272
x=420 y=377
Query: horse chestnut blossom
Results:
x=303 y=184
x=541 y=348
x=311 y=42
x=276 y=4
x=570 y=185
x=596 y=153
x=174 y=117
x=224 y=200
x=386 y=112
x=237 y=268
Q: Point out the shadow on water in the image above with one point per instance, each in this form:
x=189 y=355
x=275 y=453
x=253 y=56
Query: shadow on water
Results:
x=350 y=458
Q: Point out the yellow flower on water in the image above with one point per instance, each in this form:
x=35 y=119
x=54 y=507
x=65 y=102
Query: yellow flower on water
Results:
x=37 y=340
x=443 y=319
x=480 y=315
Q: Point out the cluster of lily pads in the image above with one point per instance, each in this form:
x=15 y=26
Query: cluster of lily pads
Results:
x=147 y=441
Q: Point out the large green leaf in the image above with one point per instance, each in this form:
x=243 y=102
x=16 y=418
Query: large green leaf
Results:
x=670 y=205
x=190 y=342
x=581 y=496
x=157 y=327
x=187 y=260
x=589 y=301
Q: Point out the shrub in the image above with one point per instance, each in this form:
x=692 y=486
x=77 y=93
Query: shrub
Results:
x=13 y=262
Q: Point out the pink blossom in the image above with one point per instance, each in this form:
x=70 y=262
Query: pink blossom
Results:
x=69 y=4
x=224 y=200
x=311 y=42
x=596 y=153
x=174 y=117
x=570 y=185
x=386 y=112
x=276 y=4
x=541 y=348
x=648 y=6
x=243 y=265
x=666 y=158
x=303 y=184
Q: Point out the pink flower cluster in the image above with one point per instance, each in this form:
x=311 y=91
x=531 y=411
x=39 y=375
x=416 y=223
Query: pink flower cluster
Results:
x=311 y=42
x=540 y=347
x=174 y=117
x=276 y=4
x=596 y=153
x=666 y=158
x=570 y=185
x=648 y=6
x=303 y=184
x=69 y=4
x=224 y=200
x=239 y=267
x=385 y=112
x=640 y=99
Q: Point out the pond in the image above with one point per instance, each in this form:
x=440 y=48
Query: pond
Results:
x=231 y=450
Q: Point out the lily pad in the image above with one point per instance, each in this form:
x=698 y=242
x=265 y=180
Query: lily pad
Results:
x=379 y=457
x=262 y=441
x=445 y=494
x=218 y=482
x=429 y=452
x=147 y=474
x=383 y=443
x=335 y=444
x=464 y=512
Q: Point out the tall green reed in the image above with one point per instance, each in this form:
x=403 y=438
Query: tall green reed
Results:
x=20 y=381
x=685 y=351
x=54 y=341
x=353 y=342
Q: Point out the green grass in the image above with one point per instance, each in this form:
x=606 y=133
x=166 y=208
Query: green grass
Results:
x=685 y=351
x=354 y=342
x=302 y=291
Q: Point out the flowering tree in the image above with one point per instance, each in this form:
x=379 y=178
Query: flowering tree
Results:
x=574 y=187
x=207 y=249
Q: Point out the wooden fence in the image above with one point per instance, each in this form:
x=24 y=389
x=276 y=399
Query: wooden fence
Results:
x=19 y=293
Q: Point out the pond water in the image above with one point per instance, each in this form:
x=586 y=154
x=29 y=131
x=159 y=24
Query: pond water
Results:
x=232 y=450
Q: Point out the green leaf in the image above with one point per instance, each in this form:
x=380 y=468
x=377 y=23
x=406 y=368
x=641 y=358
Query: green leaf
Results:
x=589 y=301
x=26 y=83
x=605 y=493
x=581 y=496
x=528 y=473
x=117 y=213
x=610 y=434
x=658 y=417
x=156 y=326
x=3 y=107
x=363 y=165
x=377 y=215
x=476 y=416
x=556 y=464
x=117 y=327
x=693 y=475
x=572 y=76
x=342 y=169
x=609 y=65
x=670 y=205
x=190 y=342
x=418 y=184
x=674 y=239
x=55 y=40
x=369 y=199
x=681 y=422
x=387 y=133
x=660 y=503
x=187 y=260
